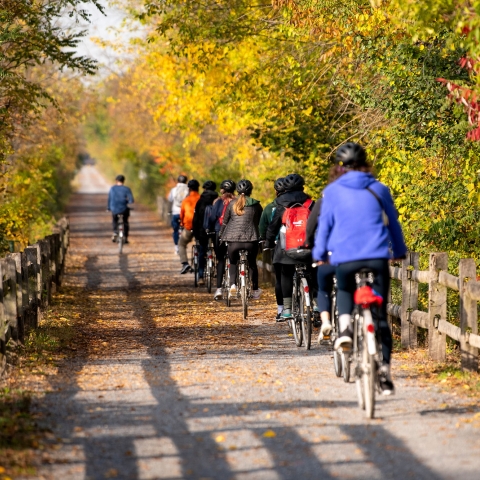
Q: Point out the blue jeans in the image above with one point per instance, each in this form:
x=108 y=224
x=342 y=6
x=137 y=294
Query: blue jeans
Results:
x=325 y=285
x=176 y=228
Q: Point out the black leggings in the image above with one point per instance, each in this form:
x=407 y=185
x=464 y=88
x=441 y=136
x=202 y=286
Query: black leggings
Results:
x=278 y=283
x=346 y=288
x=126 y=226
x=234 y=255
x=220 y=253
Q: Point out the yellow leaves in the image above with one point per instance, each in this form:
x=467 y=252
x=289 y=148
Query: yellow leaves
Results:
x=308 y=111
x=269 y=434
x=220 y=438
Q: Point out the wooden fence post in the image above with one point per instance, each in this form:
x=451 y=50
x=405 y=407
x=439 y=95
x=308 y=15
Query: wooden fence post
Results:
x=16 y=259
x=409 y=300
x=33 y=284
x=3 y=323
x=437 y=307
x=468 y=315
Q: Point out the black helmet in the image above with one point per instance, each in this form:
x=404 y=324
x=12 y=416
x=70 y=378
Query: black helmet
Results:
x=228 y=186
x=182 y=179
x=350 y=155
x=294 y=181
x=193 y=185
x=279 y=185
x=209 y=185
x=245 y=187
x=120 y=178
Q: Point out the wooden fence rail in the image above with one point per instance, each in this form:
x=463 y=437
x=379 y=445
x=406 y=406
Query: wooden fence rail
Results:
x=411 y=318
x=28 y=280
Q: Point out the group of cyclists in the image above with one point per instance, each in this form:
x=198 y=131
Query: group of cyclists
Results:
x=352 y=226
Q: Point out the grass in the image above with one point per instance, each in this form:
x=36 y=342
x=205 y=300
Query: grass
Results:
x=30 y=366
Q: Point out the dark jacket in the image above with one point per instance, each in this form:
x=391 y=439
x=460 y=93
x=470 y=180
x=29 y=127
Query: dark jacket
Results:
x=119 y=198
x=218 y=210
x=288 y=199
x=266 y=218
x=312 y=224
x=206 y=198
x=242 y=228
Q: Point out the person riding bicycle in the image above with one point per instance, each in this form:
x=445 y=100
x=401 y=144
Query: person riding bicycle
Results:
x=187 y=210
x=206 y=198
x=119 y=197
x=240 y=230
x=357 y=226
x=227 y=194
x=175 y=197
x=294 y=195
x=265 y=220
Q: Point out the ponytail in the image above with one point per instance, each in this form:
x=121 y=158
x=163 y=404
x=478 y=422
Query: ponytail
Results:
x=239 y=206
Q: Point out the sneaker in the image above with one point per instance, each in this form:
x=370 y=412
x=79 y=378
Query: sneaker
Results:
x=218 y=294
x=176 y=249
x=344 y=341
x=256 y=294
x=233 y=290
x=286 y=314
x=386 y=384
x=114 y=238
x=326 y=329
x=201 y=281
x=185 y=268
x=279 y=318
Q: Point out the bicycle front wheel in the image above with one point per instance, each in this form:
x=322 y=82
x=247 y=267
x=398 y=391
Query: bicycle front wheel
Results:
x=120 y=243
x=296 y=321
x=306 y=318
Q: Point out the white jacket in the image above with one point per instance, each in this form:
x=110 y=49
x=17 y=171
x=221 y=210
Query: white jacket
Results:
x=176 y=196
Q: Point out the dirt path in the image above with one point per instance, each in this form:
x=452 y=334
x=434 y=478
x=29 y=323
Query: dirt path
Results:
x=165 y=383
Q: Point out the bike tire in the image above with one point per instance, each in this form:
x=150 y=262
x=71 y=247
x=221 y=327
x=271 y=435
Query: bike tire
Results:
x=345 y=366
x=306 y=320
x=296 y=322
x=208 y=274
x=120 y=244
x=369 y=376
x=244 y=302
x=337 y=363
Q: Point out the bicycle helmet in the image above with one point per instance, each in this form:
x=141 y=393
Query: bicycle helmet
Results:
x=182 y=179
x=350 y=155
x=193 y=185
x=209 y=185
x=120 y=178
x=228 y=186
x=294 y=181
x=278 y=185
x=244 y=187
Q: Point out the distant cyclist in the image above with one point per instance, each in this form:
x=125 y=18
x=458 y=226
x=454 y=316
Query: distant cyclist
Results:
x=357 y=226
x=293 y=196
x=227 y=194
x=265 y=220
x=119 y=198
x=240 y=231
x=187 y=210
x=206 y=198
x=175 y=197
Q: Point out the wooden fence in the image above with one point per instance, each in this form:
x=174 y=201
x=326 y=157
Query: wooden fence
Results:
x=411 y=318
x=28 y=280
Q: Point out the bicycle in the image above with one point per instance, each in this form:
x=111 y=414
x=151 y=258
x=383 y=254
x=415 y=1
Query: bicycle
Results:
x=121 y=234
x=226 y=282
x=366 y=348
x=211 y=265
x=301 y=323
x=195 y=261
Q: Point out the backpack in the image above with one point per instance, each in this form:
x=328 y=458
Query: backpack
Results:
x=225 y=205
x=209 y=218
x=294 y=229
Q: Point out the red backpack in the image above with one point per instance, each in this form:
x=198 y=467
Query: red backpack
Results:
x=295 y=221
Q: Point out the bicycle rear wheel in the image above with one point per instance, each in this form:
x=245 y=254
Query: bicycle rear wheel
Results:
x=195 y=265
x=369 y=376
x=208 y=273
x=296 y=321
x=345 y=356
x=243 y=270
x=306 y=319
x=120 y=242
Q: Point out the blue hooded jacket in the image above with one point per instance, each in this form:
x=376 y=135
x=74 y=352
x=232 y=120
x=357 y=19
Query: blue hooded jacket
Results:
x=350 y=225
x=118 y=198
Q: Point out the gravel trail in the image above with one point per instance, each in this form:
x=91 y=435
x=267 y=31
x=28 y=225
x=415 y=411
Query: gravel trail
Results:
x=165 y=383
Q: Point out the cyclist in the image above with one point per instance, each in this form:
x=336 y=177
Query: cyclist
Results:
x=175 y=197
x=227 y=190
x=294 y=195
x=119 y=197
x=206 y=198
x=240 y=230
x=187 y=210
x=357 y=224
x=267 y=217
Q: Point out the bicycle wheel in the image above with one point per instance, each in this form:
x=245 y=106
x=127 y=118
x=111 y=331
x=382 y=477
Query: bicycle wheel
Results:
x=195 y=265
x=345 y=356
x=296 y=320
x=208 y=272
x=306 y=318
x=243 y=281
x=369 y=375
x=120 y=242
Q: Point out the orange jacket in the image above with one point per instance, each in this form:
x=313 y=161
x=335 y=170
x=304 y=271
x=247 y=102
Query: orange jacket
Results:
x=188 y=209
